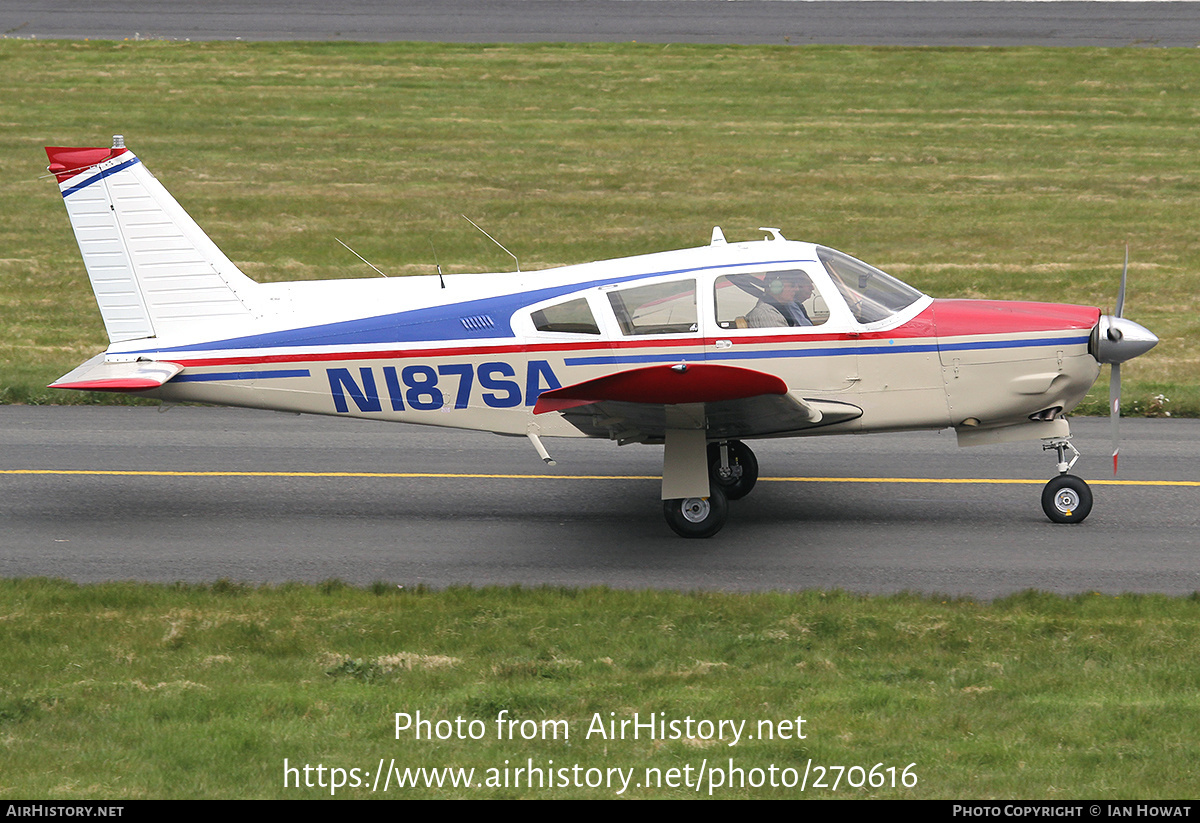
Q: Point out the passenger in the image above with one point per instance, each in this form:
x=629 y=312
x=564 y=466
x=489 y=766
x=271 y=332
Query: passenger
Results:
x=781 y=301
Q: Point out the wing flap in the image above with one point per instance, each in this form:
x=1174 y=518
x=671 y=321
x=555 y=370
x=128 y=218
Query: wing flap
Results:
x=640 y=405
x=100 y=375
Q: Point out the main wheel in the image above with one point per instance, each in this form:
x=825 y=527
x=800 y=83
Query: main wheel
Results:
x=697 y=516
x=737 y=480
x=1067 y=499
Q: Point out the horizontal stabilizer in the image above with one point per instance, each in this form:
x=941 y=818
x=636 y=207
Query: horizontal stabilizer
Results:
x=98 y=375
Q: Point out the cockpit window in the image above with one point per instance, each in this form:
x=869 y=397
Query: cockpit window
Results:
x=772 y=300
x=660 y=308
x=870 y=294
x=571 y=317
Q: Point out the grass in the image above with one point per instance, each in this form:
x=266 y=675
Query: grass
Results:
x=203 y=691
x=1010 y=173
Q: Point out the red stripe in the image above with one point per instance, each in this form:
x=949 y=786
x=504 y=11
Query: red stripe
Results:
x=400 y=354
x=919 y=327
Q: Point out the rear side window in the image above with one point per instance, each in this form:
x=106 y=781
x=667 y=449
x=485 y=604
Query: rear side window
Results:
x=660 y=308
x=571 y=317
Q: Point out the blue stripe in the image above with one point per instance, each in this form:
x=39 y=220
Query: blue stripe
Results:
x=433 y=324
x=841 y=351
x=97 y=178
x=610 y=360
x=240 y=375
x=1016 y=344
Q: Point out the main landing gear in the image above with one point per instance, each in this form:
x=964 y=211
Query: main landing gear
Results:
x=732 y=467
x=732 y=473
x=1066 y=498
x=697 y=516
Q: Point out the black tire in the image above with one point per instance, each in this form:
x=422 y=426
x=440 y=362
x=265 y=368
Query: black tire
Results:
x=739 y=480
x=1067 y=499
x=697 y=516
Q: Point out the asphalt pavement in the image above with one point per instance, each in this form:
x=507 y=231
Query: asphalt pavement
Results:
x=265 y=497
x=779 y=22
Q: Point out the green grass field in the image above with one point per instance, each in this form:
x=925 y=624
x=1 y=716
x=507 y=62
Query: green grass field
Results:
x=1006 y=173
x=195 y=692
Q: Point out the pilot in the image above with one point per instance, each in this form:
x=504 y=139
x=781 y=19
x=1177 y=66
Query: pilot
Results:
x=781 y=301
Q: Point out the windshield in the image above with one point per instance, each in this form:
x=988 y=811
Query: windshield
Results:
x=871 y=294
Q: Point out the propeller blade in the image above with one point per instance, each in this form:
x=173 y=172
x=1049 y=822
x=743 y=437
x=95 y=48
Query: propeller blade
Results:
x=1114 y=406
x=1121 y=294
x=1114 y=381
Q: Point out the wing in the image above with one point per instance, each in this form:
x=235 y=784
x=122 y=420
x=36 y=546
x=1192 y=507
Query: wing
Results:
x=640 y=405
x=98 y=375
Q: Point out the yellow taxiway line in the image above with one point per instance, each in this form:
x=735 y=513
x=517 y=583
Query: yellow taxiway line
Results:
x=473 y=476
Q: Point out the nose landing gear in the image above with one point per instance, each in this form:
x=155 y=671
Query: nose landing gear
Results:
x=1066 y=498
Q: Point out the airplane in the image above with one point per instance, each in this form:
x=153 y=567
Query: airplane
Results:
x=698 y=349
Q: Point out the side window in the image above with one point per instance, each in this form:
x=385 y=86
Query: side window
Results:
x=775 y=299
x=661 y=308
x=571 y=317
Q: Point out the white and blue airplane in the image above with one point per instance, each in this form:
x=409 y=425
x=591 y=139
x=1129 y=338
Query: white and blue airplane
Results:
x=699 y=349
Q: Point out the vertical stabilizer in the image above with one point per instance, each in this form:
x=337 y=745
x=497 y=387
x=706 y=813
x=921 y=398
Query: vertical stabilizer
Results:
x=154 y=271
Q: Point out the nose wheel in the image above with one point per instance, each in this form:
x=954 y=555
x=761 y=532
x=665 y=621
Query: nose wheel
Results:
x=1067 y=499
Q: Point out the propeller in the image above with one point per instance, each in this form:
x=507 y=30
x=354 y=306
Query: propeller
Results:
x=1114 y=380
x=1115 y=340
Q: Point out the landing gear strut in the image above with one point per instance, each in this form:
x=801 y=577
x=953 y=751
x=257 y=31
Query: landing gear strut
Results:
x=1066 y=498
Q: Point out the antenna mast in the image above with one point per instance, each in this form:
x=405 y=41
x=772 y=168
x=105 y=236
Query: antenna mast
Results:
x=494 y=240
x=359 y=256
x=436 y=263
